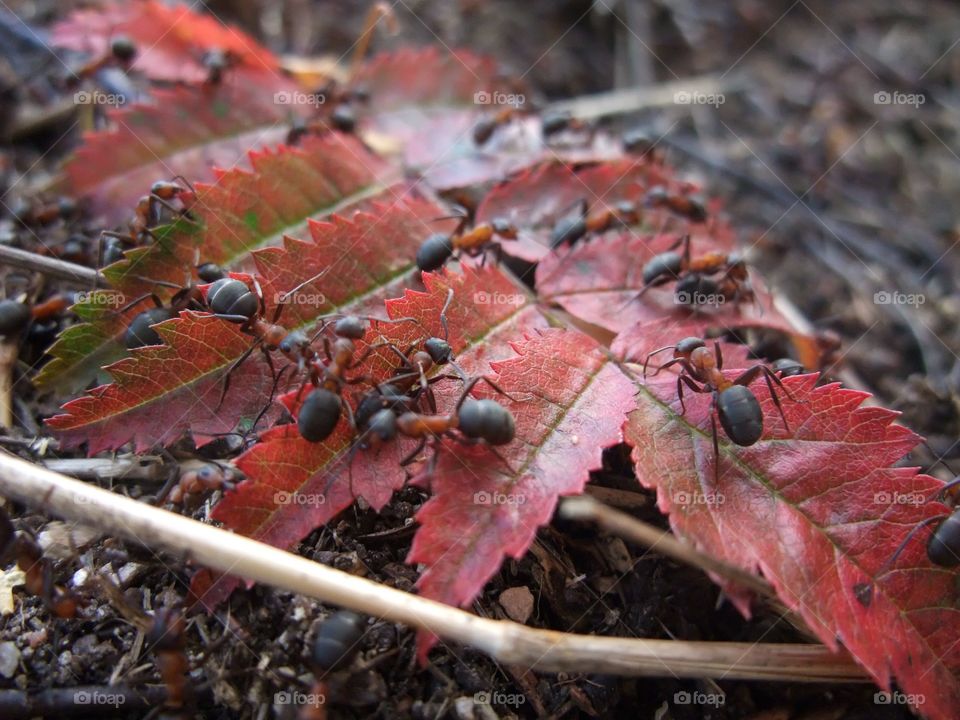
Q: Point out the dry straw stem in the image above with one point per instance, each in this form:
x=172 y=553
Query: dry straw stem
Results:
x=507 y=642
x=619 y=523
x=51 y=267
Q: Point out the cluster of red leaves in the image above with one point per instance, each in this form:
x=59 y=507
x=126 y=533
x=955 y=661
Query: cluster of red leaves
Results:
x=332 y=219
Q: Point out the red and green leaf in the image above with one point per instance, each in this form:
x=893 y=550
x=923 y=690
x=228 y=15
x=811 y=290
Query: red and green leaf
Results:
x=242 y=211
x=385 y=239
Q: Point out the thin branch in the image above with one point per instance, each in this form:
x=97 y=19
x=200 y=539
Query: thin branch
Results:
x=51 y=267
x=507 y=642
x=584 y=507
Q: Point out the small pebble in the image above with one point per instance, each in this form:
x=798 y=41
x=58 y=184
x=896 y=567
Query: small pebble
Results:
x=9 y=658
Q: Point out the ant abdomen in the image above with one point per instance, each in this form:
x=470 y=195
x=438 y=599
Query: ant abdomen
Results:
x=943 y=547
x=337 y=641
x=668 y=264
x=232 y=298
x=140 y=333
x=319 y=415
x=487 y=420
x=439 y=350
x=14 y=316
x=788 y=367
x=351 y=327
x=740 y=415
x=568 y=230
x=210 y=272
x=434 y=252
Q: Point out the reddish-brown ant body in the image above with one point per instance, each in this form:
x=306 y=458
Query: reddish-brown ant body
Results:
x=575 y=226
x=37 y=570
x=691 y=206
x=732 y=400
x=147 y=212
x=15 y=316
x=165 y=636
x=692 y=275
x=438 y=248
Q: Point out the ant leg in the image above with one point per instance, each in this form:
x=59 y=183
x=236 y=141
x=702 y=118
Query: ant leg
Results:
x=776 y=399
x=137 y=301
x=443 y=314
x=684 y=380
x=226 y=379
x=718 y=353
x=716 y=449
x=470 y=385
x=646 y=362
x=273 y=392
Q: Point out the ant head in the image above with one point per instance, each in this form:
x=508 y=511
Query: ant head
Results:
x=350 y=326
x=788 y=367
x=166 y=631
x=504 y=228
x=293 y=345
x=439 y=350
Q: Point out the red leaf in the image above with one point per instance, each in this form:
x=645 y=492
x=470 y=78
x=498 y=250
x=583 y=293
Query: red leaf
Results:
x=386 y=240
x=186 y=131
x=242 y=211
x=573 y=402
x=482 y=322
x=810 y=508
x=171 y=40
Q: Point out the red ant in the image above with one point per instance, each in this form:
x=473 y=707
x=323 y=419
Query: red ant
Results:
x=165 y=636
x=41 y=212
x=943 y=545
x=336 y=644
x=740 y=414
x=339 y=112
x=147 y=212
x=691 y=206
x=484 y=130
x=573 y=227
x=691 y=273
x=122 y=52
x=438 y=248
x=15 y=316
x=638 y=142
x=196 y=479
x=38 y=572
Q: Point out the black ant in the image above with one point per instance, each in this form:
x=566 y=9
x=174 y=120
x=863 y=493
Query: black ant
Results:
x=691 y=206
x=336 y=644
x=691 y=274
x=740 y=414
x=37 y=570
x=438 y=248
x=571 y=228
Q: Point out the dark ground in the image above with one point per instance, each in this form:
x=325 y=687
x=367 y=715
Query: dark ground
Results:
x=838 y=197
